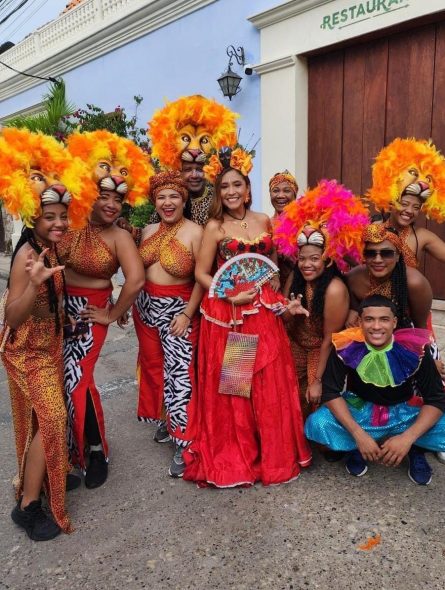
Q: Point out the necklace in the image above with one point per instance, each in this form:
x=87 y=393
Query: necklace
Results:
x=242 y=223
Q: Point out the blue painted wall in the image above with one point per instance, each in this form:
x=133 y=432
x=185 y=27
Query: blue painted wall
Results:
x=184 y=57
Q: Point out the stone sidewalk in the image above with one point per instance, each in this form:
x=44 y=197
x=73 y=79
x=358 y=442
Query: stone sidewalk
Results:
x=143 y=529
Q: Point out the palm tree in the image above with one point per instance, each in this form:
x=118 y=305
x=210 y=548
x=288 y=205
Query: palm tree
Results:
x=51 y=119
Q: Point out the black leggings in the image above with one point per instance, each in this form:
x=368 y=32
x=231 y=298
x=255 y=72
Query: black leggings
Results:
x=91 y=427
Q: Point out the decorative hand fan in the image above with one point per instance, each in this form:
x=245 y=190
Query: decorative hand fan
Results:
x=241 y=273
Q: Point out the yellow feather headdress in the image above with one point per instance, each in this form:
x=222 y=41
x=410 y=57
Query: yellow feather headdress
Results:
x=22 y=150
x=93 y=146
x=399 y=156
x=218 y=120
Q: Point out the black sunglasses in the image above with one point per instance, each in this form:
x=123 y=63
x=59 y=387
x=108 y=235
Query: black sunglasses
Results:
x=385 y=253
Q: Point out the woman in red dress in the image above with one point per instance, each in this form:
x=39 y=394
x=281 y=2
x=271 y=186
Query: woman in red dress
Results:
x=243 y=440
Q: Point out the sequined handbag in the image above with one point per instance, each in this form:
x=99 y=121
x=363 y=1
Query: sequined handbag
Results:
x=238 y=364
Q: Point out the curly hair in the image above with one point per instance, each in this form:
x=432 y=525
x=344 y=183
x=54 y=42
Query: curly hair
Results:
x=218 y=120
x=321 y=285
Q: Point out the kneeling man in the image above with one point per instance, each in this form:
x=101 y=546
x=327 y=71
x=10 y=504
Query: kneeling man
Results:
x=369 y=406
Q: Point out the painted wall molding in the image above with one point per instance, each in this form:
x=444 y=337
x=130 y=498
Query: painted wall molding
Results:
x=284 y=12
x=86 y=32
x=35 y=109
x=276 y=64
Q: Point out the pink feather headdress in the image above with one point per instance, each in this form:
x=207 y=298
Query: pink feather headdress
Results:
x=335 y=212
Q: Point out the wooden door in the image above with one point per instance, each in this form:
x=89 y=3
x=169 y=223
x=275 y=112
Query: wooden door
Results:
x=363 y=96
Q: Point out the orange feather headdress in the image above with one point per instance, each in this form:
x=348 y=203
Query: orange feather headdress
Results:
x=93 y=146
x=397 y=157
x=20 y=152
x=196 y=110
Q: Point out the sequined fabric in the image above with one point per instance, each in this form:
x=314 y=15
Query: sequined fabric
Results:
x=85 y=252
x=163 y=247
x=229 y=247
x=376 y=287
x=322 y=427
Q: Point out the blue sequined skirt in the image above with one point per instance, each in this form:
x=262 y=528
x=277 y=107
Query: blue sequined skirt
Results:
x=322 y=427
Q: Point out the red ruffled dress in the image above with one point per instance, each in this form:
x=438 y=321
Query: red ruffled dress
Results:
x=244 y=440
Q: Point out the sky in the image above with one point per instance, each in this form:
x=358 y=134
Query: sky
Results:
x=34 y=14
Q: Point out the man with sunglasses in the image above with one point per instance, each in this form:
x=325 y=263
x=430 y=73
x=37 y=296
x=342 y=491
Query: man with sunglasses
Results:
x=367 y=390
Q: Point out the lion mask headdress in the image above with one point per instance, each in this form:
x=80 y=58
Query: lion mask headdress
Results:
x=409 y=167
x=189 y=128
x=117 y=163
x=36 y=170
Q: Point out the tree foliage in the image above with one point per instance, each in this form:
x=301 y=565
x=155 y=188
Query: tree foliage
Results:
x=51 y=120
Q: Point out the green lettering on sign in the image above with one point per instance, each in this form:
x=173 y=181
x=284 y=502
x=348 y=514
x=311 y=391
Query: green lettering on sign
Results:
x=364 y=10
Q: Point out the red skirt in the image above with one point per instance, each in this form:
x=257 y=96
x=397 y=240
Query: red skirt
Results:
x=244 y=440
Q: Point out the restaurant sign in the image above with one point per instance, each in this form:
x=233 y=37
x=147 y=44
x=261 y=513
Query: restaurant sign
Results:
x=360 y=12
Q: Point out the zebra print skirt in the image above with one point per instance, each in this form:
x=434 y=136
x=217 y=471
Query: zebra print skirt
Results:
x=166 y=363
x=80 y=357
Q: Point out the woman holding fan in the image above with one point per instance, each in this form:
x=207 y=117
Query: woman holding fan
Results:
x=242 y=440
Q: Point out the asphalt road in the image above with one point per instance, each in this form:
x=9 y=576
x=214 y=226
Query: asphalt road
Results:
x=143 y=529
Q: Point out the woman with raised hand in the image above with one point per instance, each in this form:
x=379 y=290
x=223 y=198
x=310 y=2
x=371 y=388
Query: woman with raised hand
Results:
x=43 y=184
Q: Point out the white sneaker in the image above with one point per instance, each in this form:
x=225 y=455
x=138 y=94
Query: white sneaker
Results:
x=440 y=456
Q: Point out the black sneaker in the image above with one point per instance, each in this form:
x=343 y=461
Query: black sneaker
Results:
x=72 y=482
x=333 y=456
x=419 y=470
x=355 y=464
x=161 y=435
x=37 y=524
x=97 y=470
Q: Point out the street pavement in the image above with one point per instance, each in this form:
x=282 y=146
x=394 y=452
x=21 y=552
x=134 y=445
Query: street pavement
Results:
x=143 y=529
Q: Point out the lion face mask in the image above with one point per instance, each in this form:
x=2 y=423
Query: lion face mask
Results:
x=409 y=167
x=188 y=129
